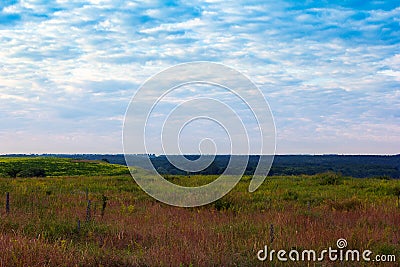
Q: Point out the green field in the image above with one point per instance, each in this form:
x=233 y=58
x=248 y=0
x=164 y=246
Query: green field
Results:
x=49 y=222
x=51 y=166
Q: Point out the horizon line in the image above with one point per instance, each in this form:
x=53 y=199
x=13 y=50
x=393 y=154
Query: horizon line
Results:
x=157 y=155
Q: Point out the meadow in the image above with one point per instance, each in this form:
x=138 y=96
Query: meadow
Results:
x=52 y=166
x=94 y=214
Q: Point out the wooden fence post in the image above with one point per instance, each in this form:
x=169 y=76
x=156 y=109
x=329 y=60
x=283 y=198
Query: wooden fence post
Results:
x=7 y=202
x=103 y=207
x=88 y=212
x=271 y=233
x=78 y=226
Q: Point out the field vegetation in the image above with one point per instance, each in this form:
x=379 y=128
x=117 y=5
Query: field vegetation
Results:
x=52 y=166
x=82 y=216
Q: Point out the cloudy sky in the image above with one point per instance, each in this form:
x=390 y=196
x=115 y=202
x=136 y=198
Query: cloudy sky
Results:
x=330 y=70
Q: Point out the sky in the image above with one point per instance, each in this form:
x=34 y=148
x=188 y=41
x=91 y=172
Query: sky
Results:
x=330 y=70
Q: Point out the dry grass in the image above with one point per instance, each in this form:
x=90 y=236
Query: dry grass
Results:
x=41 y=229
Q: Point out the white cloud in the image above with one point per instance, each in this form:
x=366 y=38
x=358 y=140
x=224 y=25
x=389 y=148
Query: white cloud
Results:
x=61 y=59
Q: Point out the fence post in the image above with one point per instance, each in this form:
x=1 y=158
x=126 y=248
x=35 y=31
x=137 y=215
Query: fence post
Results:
x=78 y=226
x=271 y=233
x=7 y=202
x=103 y=208
x=88 y=213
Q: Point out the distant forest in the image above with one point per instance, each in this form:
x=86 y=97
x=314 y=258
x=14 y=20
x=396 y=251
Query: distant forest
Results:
x=360 y=166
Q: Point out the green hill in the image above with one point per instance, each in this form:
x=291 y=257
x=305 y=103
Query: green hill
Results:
x=51 y=166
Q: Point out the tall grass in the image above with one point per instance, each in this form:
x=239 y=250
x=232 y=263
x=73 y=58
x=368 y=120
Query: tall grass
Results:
x=135 y=230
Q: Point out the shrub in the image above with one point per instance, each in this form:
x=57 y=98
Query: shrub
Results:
x=32 y=172
x=330 y=178
x=222 y=204
x=12 y=171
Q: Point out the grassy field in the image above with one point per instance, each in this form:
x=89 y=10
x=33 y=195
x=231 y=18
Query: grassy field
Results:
x=51 y=166
x=49 y=222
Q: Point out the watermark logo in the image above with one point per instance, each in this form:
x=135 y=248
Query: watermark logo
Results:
x=203 y=104
x=341 y=243
x=332 y=254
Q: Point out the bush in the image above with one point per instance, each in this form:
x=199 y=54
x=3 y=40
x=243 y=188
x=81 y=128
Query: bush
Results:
x=32 y=172
x=12 y=171
x=222 y=204
x=330 y=178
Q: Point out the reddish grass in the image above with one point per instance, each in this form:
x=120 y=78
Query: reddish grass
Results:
x=159 y=235
x=41 y=230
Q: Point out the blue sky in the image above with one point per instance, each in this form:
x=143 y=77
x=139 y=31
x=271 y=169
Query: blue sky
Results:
x=330 y=70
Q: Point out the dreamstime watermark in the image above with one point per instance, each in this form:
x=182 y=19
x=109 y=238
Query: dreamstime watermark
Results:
x=193 y=95
x=340 y=253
